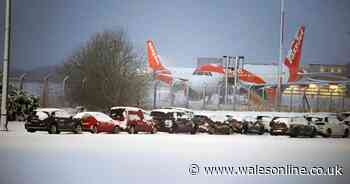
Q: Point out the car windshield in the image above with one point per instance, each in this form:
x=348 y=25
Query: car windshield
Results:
x=101 y=117
x=117 y=112
x=161 y=115
x=41 y=115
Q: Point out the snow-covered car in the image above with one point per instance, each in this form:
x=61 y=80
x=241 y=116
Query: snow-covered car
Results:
x=52 y=120
x=133 y=119
x=207 y=125
x=252 y=125
x=203 y=123
x=279 y=125
x=220 y=128
x=189 y=113
x=173 y=121
x=235 y=124
x=265 y=120
x=301 y=126
x=330 y=126
x=96 y=122
x=347 y=121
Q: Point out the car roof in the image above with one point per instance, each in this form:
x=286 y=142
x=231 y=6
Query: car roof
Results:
x=179 y=108
x=166 y=110
x=98 y=115
x=127 y=108
x=321 y=115
x=49 y=110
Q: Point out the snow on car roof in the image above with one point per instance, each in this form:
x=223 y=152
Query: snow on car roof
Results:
x=98 y=115
x=49 y=110
x=166 y=110
x=321 y=115
x=127 y=108
x=180 y=108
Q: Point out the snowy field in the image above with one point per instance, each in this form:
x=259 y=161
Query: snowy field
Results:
x=35 y=158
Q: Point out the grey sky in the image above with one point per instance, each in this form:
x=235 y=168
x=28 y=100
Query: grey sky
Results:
x=45 y=31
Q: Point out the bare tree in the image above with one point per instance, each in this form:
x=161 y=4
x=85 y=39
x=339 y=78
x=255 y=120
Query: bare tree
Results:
x=105 y=72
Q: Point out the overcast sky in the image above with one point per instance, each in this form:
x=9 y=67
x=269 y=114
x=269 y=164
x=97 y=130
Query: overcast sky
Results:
x=46 y=31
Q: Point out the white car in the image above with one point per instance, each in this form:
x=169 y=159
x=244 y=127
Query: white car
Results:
x=330 y=126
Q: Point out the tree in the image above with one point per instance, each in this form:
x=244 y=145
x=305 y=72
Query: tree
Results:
x=105 y=72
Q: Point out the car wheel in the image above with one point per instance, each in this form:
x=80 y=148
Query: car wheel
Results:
x=132 y=130
x=53 y=129
x=346 y=133
x=94 y=129
x=294 y=133
x=116 y=130
x=78 y=129
x=30 y=130
x=272 y=133
x=328 y=133
x=193 y=131
x=230 y=131
x=171 y=130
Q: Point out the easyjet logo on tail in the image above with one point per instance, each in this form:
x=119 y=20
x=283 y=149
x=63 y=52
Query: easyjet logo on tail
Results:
x=153 y=59
x=292 y=60
x=296 y=44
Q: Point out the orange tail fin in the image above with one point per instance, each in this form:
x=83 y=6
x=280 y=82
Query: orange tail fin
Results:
x=153 y=59
x=292 y=60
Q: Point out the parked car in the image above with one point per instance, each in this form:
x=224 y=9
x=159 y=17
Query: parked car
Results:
x=265 y=120
x=203 y=123
x=252 y=125
x=330 y=126
x=300 y=126
x=235 y=124
x=347 y=121
x=135 y=119
x=279 y=125
x=96 y=122
x=52 y=120
x=221 y=128
x=173 y=121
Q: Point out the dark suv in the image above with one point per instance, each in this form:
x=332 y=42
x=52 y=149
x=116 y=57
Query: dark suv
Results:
x=52 y=120
x=173 y=121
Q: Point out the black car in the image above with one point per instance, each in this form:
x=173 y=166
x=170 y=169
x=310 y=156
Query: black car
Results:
x=206 y=125
x=173 y=121
x=203 y=123
x=302 y=127
x=252 y=125
x=52 y=120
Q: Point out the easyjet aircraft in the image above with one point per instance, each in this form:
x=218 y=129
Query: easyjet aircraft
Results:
x=196 y=80
x=259 y=76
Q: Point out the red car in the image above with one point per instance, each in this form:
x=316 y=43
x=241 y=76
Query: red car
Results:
x=133 y=119
x=96 y=122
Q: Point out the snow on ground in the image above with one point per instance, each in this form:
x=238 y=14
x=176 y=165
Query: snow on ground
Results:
x=161 y=158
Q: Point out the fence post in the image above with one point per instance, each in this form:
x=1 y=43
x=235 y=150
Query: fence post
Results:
x=45 y=91
x=291 y=100
x=21 y=80
x=64 y=86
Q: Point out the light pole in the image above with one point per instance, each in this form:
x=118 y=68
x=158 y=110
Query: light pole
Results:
x=236 y=80
x=7 y=46
x=226 y=82
x=279 y=67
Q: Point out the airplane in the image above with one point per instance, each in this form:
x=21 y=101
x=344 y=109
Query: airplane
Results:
x=265 y=76
x=173 y=76
x=262 y=76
